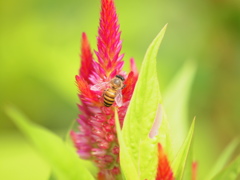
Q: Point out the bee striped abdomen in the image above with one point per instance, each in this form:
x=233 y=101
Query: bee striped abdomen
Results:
x=109 y=96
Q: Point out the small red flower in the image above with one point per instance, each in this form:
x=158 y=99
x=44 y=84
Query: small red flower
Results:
x=194 y=170
x=97 y=138
x=164 y=171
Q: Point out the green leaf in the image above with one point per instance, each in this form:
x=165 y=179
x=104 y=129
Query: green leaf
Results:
x=142 y=111
x=127 y=166
x=231 y=172
x=164 y=137
x=176 y=103
x=64 y=162
x=224 y=158
x=180 y=160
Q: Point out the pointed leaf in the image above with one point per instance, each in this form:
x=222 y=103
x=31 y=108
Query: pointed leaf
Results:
x=180 y=160
x=164 y=136
x=128 y=168
x=190 y=170
x=224 y=158
x=176 y=103
x=231 y=172
x=65 y=163
x=142 y=111
x=148 y=159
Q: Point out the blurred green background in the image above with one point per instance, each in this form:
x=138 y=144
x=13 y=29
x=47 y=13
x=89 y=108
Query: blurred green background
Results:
x=39 y=57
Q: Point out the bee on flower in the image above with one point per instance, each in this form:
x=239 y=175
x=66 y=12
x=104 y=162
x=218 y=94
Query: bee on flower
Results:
x=112 y=90
x=103 y=84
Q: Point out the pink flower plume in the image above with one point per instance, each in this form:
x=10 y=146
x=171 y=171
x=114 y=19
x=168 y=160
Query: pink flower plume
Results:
x=96 y=139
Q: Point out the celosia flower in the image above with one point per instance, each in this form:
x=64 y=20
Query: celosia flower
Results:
x=97 y=139
x=164 y=171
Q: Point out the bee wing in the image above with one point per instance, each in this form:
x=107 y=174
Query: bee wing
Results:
x=99 y=86
x=118 y=98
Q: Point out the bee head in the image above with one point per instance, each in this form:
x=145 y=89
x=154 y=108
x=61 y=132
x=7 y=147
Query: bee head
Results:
x=120 y=77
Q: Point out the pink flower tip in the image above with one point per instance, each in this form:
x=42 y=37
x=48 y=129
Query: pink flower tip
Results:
x=102 y=85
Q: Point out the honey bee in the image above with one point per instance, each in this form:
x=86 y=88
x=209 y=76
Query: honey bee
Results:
x=112 y=90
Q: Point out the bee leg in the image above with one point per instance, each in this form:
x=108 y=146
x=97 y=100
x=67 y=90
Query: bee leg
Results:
x=124 y=86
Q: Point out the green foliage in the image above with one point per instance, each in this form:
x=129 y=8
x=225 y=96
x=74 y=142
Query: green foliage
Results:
x=141 y=114
x=164 y=136
x=39 y=58
x=126 y=162
x=180 y=161
x=175 y=101
x=65 y=163
x=224 y=158
x=231 y=172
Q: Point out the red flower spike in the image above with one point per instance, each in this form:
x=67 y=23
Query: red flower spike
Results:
x=164 y=171
x=194 y=170
x=97 y=138
x=109 y=43
x=86 y=59
x=85 y=91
